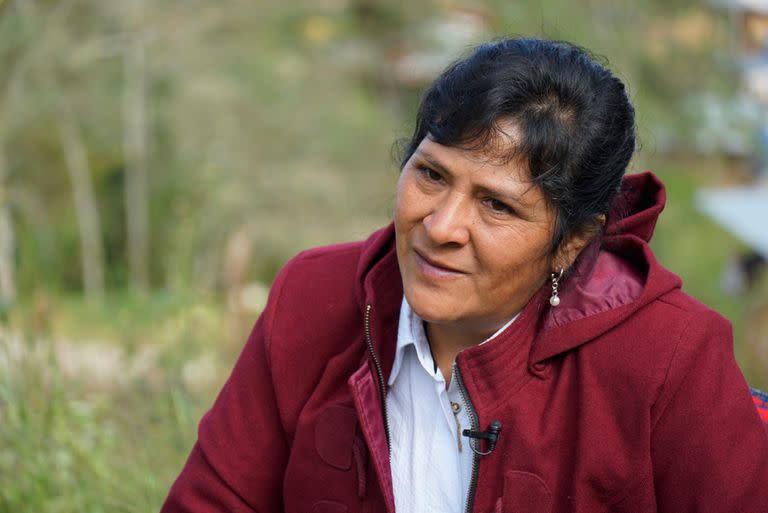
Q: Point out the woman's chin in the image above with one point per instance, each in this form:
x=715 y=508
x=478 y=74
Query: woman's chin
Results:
x=434 y=308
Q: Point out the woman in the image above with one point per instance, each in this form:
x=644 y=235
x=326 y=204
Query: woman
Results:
x=509 y=343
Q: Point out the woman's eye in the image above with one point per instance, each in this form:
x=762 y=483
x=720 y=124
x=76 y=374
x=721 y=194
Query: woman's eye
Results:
x=430 y=174
x=499 y=207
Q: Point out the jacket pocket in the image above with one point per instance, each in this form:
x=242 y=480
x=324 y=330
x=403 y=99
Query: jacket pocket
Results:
x=339 y=443
x=335 y=436
x=525 y=492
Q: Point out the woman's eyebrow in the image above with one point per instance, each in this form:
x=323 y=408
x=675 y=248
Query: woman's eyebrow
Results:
x=433 y=162
x=502 y=194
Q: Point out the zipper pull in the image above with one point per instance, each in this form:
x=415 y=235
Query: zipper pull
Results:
x=456 y=408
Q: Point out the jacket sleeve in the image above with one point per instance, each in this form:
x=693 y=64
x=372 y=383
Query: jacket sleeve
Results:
x=238 y=462
x=709 y=447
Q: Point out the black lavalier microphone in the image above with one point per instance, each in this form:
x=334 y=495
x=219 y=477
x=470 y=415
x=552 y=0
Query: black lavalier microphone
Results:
x=491 y=436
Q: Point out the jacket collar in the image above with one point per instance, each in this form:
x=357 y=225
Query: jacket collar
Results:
x=380 y=287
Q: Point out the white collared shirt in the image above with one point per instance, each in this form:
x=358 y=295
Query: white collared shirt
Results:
x=431 y=462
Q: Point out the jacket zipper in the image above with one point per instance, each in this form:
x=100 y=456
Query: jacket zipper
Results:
x=473 y=420
x=471 y=413
x=379 y=374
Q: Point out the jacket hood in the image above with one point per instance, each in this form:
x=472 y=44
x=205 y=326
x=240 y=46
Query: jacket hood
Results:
x=613 y=277
x=616 y=275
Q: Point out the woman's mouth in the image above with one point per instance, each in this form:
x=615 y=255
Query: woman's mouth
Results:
x=433 y=268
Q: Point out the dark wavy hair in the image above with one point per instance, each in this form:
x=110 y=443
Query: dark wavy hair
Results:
x=574 y=123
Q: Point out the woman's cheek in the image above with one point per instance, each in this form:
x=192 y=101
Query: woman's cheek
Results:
x=410 y=201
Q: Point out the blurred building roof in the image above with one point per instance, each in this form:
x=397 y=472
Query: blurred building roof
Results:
x=742 y=211
x=760 y=6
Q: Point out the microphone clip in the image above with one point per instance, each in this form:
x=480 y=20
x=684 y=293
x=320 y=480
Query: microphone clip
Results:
x=491 y=436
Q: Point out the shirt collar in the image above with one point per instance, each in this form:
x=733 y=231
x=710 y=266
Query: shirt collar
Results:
x=410 y=331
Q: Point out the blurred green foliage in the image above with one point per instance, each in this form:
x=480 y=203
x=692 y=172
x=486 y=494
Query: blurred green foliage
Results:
x=273 y=120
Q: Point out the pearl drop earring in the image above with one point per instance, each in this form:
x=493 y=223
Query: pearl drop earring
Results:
x=554 y=299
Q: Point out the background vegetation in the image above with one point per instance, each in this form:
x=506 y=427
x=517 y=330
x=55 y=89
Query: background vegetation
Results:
x=159 y=161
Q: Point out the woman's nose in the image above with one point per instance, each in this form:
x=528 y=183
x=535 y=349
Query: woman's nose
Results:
x=448 y=221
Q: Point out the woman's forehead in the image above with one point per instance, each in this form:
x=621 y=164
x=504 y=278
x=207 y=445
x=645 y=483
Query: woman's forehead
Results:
x=498 y=145
x=497 y=153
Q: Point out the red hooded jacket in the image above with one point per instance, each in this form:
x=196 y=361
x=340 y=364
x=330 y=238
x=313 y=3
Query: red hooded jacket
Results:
x=625 y=398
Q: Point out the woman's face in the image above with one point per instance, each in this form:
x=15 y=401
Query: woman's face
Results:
x=473 y=237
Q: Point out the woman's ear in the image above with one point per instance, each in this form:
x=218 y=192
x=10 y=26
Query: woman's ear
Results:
x=575 y=242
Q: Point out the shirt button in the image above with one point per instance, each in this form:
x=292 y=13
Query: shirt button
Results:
x=456 y=407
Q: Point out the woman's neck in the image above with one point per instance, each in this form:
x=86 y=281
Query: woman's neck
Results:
x=446 y=341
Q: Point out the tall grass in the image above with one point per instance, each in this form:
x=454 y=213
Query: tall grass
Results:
x=76 y=440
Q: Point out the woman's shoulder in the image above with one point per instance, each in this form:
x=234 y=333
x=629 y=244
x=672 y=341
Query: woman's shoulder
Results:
x=700 y=337
x=673 y=322
x=314 y=284
x=319 y=264
x=669 y=338
x=335 y=263
x=329 y=276
x=688 y=305
x=693 y=322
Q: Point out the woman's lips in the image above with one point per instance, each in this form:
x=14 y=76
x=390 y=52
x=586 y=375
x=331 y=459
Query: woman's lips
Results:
x=434 y=269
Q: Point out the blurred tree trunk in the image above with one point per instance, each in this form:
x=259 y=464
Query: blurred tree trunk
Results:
x=88 y=221
x=135 y=148
x=7 y=239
